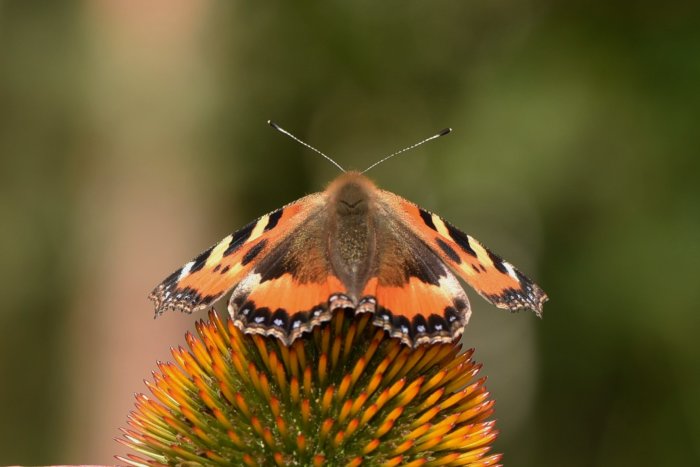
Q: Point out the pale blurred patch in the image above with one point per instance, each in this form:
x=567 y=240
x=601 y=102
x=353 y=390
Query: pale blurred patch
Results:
x=146 y=104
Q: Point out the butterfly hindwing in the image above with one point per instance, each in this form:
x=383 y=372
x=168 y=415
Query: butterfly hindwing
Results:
x=412 y=293
x=493 y=278
x=202 y=281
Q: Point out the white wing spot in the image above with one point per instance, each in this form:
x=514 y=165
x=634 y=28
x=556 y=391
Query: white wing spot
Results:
x=511 y=271
x=185 y=270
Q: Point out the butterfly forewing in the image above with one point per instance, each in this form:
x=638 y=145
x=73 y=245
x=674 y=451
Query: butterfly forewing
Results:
x=202 y=281
x=493 y=278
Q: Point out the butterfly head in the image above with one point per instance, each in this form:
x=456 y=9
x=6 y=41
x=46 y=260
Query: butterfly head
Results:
x=351 y=193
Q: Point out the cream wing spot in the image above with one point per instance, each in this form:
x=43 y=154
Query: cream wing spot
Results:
x=440 y=226
x=259 y=228
x=217 y=253
x=481 y=253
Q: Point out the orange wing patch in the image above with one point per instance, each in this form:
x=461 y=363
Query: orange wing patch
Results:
x=202 y=281
x=492 y=277
x=285 y=307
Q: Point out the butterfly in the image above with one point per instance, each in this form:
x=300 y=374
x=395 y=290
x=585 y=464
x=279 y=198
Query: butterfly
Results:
x=353 y=246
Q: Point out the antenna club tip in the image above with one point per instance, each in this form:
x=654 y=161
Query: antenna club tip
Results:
x=273 y=124
x=446 y=131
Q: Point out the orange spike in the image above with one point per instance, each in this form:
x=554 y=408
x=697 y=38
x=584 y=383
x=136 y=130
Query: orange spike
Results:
x=371 y=446
x=433 y=381
x=265 y=386
x=358 y=369
x=294 y=362
x=426 y=417
x=203 y=436
x=284 y=354
x=325 y=428
x=300 y=352
x=428 y=356
x=307 y=381
x=306 y=410
x=357 y=404
x=273 y=360
x=294 y=389
x=281 y=426
x=301 y=443
x=338 y=323
x=344 y=411
x=410 y=392
x=394 y=461
x=369 y=413
x=281 y=377
x=257 y=426
x=338 y=439
x=262 y=349
x=322 y=368
x=403 y=447
x=388 y=422
x=242 y=406
x=343 y=387
x=349 y=339
x=374 y=383
x=413 y=358
x=352 y=426
x=226 y=391
x=429 y=443
x=237 y=361
x=254 y=376
x=420 y=431
x=235 y=439
x=445 y=459
x=325 y=340
x=268 y=438
x=431 y=400
x=326 y=400
x=396 y=365
x=416 y=463
x=374 y=345
x=275 y=406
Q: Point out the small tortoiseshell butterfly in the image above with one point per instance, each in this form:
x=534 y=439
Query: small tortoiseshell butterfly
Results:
x=352 y=246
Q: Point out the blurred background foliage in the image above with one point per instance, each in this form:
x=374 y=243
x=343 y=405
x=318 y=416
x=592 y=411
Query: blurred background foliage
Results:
x=132 y=136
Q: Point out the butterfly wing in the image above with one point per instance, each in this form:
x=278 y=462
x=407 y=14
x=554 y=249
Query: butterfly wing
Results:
x=493 y=278
x=202 y=281
x=293 y=288
x=411 y=292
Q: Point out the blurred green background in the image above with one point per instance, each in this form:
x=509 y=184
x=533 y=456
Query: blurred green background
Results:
x=133 y=135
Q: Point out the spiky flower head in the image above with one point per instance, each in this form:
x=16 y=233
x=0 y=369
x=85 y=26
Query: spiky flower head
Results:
x=346 y=394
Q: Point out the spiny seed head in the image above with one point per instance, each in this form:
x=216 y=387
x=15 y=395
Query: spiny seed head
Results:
x=346 y=394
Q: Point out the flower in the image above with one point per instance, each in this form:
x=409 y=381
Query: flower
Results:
x=344 y=394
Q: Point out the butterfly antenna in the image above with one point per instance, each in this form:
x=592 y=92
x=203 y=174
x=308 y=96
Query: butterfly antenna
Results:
x=285 y=132
x=441 y=133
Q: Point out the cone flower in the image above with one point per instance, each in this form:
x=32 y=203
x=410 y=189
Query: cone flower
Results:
x=345 y=394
